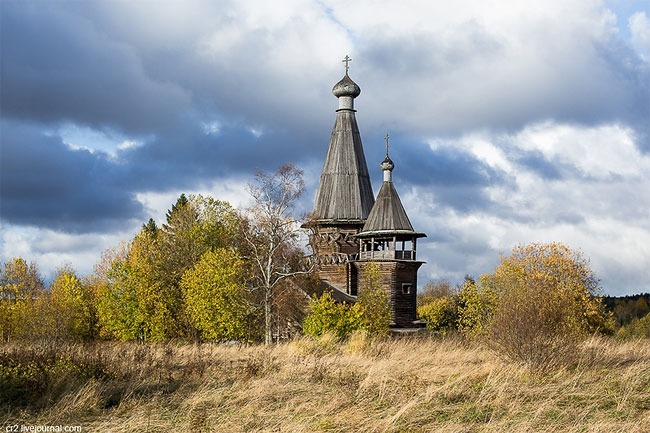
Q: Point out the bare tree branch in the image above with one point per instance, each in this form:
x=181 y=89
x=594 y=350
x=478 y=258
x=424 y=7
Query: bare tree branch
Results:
x=272 y=233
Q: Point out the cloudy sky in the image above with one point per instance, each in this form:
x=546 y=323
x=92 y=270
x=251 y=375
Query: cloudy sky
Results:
x=511 y=122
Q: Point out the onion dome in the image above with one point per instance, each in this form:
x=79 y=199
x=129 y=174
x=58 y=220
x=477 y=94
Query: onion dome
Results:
x=387 y=164
x=346 y=87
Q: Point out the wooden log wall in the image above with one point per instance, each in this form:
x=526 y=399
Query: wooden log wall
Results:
x=393 y=275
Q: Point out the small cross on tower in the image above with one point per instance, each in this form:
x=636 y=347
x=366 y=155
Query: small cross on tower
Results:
x=386 y=144
x=347 y=60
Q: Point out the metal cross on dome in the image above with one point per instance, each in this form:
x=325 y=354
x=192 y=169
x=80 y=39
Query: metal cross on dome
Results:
x=347 y=60
x=386 y=144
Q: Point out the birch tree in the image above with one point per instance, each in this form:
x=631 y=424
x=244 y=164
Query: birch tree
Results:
x=272 y=235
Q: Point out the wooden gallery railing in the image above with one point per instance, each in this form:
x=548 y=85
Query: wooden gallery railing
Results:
x=389 y=255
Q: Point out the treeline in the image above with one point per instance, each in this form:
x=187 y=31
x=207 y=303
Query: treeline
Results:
x=628 y=308
x=208 y=273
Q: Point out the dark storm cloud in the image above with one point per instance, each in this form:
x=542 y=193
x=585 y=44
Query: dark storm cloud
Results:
x=57 y=66
x=45 y=183
x=172 y=50
x=456 y=178
x=73 y=66
x=183 y=155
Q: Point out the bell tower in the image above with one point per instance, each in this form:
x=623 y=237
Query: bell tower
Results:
x=388 y=239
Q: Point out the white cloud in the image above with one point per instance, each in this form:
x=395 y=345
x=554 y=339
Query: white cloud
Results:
x=51 y=249
x=93 y=140
x=129 y=144
x=451 y=68
x=601 y=207
x=257 y=132
x=639 y=25
x=423 y=67
x=231 y=190
x=598 y=152
x=211 y=128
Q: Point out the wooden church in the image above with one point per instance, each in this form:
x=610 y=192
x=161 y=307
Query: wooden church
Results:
x=350 y=228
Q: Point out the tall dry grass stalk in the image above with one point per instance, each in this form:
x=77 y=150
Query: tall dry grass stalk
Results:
x=405 y=385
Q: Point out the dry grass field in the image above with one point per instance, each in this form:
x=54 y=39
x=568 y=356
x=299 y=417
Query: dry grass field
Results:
x=405 y=385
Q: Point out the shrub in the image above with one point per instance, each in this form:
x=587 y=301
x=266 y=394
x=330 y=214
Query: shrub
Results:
x=33 y=374
x=326 y=315
x=372 y=302
x=441 y=314
x=533 y=326
x=476 y=306
x=434 y=290
x=637 y=328
x=546 y=304
x=371 y=312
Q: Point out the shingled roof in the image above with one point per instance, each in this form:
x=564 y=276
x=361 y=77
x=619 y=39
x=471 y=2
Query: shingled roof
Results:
x=344 y=191
x=387 y=214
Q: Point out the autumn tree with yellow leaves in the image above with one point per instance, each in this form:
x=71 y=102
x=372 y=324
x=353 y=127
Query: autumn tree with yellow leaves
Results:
x=476 y=305
x=139 y=294
x=215 y=297
x=72 y=307
x=373 y=302
x=20 y=286
x=546 y=301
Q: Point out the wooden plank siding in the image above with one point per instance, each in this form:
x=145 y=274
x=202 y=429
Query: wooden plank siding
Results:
x=332 y=246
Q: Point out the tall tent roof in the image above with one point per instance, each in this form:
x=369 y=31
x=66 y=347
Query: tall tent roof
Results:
x=387 y=214
x=344 y=191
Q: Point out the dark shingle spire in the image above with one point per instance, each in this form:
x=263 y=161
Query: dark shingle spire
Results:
x=344 y=191
x=388 y=214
